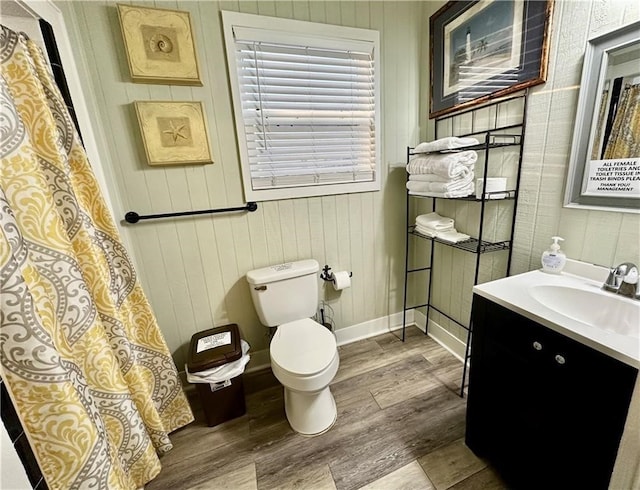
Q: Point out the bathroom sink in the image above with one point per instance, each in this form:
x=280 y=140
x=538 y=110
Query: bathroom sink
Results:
x=595 y=308
x=573 y=304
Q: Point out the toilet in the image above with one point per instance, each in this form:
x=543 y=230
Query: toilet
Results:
x=304 y=353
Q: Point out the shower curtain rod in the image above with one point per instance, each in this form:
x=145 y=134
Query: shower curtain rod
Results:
x=133 y=217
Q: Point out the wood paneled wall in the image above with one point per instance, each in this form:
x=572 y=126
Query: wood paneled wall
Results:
x=193 y=268
x=600 y=237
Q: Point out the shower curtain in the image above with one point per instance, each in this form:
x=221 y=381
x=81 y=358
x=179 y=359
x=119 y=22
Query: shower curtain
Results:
x=82 y=356
x=602 y=113
x=624 y=141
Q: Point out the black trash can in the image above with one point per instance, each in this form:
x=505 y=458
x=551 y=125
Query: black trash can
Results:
x=209 y=349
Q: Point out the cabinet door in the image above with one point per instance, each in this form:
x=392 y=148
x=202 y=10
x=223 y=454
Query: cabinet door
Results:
x=506 y=406
x=589 y=396
x=545 y=409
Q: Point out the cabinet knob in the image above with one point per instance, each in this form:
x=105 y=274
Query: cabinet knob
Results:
x=537 y=345
x=560 y=359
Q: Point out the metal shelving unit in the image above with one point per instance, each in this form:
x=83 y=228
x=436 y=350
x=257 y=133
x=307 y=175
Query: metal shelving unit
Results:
x=496 y=136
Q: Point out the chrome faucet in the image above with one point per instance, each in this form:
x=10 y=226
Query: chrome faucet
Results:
x=623 y=280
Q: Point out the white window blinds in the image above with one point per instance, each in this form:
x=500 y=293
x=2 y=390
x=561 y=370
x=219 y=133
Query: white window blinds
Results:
x=308 y=112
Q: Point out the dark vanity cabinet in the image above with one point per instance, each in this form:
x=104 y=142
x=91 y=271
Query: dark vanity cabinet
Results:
x=545 y=410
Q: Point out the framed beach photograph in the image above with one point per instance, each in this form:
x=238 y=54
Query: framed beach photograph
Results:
x=173 y=133
x=485 y=49
x=159 y=45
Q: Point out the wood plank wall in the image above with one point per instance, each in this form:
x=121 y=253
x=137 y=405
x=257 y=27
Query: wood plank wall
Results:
x=599 y=237
x=193 y=268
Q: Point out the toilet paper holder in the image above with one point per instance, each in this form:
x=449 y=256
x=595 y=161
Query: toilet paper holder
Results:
x=327 y=275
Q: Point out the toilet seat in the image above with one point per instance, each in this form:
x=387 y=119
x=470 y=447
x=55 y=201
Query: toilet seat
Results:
x=303 y=348
x=304 y=358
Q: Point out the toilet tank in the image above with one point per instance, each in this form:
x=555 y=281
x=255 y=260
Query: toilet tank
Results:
x=285 y=292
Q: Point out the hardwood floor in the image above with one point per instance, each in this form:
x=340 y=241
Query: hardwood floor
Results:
x=400 y=426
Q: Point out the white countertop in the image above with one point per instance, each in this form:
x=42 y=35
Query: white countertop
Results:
x=513 y=293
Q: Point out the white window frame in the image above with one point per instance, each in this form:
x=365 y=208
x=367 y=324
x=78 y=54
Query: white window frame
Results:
x=323 y=35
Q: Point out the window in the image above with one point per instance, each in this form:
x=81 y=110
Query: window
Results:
x=306 y=102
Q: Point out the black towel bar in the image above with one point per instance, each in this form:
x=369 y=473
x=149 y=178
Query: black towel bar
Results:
x=133 y=217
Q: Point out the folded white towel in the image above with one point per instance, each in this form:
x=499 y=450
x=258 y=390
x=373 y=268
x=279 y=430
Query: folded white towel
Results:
x=446 y=165
x=431 y=232
x=449 y=194
x=452 y=186
x=443 y=144
x=426 y=231
x=436 y=183
x=434 y=220
x=452 y=236
x=441 y=195
x=465 y=174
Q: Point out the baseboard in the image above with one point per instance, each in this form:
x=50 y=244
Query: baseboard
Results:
x=371 y=328
x=441 y=335
x=260 y=359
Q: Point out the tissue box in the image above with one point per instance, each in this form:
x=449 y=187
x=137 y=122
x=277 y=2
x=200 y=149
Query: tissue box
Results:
x=494 y=184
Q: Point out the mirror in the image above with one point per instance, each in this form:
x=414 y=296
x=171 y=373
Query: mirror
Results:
x=604 y=171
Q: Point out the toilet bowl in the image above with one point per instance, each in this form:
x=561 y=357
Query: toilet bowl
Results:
x=304 y=358
x=304 y=354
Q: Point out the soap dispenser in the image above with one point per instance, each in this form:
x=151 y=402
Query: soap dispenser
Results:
x=553 y=260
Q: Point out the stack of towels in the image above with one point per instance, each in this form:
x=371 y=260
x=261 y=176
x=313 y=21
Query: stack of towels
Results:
x=433 y=225
x=447 y=174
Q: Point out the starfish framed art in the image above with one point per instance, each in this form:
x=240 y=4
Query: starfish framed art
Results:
x=173 y=133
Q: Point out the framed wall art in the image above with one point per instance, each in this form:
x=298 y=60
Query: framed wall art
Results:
x=486 y=49
x=159 y=45
x=173 y=133
x=604 y=167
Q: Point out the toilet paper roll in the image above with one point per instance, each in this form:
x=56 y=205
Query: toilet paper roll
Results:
x=341 y=280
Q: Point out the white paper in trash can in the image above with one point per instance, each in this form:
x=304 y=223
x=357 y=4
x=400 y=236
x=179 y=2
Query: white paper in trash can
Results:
x=221 y=373
x=213 y=341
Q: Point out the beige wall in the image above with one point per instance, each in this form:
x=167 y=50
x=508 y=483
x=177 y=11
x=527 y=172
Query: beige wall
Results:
x=599 y=237
x=193 y=268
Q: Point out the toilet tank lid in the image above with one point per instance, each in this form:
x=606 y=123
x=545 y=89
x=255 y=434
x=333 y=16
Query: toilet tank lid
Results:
x=283 y=271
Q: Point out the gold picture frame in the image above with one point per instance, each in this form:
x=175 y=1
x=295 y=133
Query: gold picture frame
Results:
x=483 y=49
x=173 y=133
x=159 y=45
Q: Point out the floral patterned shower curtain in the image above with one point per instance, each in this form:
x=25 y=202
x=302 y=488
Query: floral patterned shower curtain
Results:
x=82 y=357
x=602 y=114
x=624 y=141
